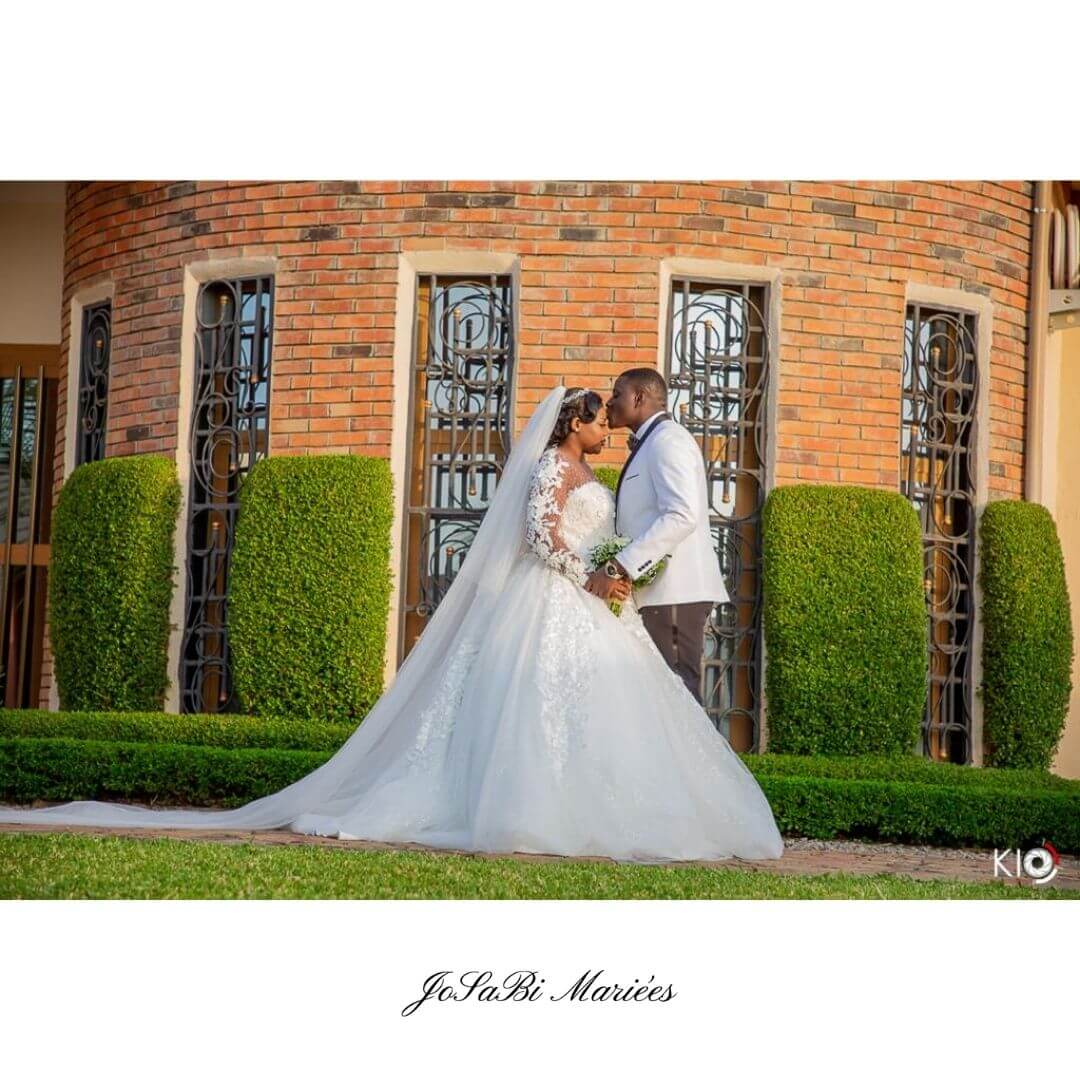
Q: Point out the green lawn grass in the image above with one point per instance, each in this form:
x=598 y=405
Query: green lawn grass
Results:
x=67 y=866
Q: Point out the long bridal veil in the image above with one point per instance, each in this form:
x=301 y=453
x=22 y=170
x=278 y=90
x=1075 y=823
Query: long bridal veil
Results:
x=392 y=725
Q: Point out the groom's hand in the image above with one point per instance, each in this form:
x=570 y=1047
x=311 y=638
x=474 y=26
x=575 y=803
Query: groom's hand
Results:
x=607 y=588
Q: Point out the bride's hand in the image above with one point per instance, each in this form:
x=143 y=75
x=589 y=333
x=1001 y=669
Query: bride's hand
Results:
x=608 y=588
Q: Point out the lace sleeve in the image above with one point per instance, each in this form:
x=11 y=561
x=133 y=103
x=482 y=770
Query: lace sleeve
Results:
x=552 y=481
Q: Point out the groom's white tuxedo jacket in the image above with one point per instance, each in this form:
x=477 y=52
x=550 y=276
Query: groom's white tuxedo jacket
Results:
x=662 y=504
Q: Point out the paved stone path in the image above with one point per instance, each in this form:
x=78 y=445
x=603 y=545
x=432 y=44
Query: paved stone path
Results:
x=801 y=855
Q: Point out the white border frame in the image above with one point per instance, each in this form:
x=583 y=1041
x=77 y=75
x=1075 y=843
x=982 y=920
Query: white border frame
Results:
x=982 y=307
x=411 y=266
x=724 y=272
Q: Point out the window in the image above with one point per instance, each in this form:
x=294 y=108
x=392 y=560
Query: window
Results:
x=229 y=432
x=718 y=378
x=460 y=428
x=93 y=394
x=940 y=385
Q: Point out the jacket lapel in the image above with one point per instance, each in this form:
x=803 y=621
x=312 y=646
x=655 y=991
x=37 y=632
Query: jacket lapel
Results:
x=633 y=454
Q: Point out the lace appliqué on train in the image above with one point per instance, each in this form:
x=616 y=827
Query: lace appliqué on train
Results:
x=566 y=668
x=437 y=720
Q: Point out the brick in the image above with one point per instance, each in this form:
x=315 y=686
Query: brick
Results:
x=944 y=251
x=180 y=191
x=609 y=189
x=562 y=188
x=495 y=199
x=1011 y=270
x=747 y=198
x=321 y=232
x=834 y=207
x=705 y=222
x=353 y=350
x=446 y=199
x=854 y=224
x=359 y=202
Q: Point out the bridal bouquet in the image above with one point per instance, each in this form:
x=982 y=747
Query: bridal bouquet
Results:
x=608 y=550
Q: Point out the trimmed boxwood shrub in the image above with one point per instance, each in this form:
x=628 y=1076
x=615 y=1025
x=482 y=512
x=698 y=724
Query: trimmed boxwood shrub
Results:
x=65 y=769
x=608 y=475
x=219 y=729
x=844 y=619
x=1027 y=635
x=916 y=800
x=111 y=582
x=905 y=812
x=910 y=768
x=310 y=586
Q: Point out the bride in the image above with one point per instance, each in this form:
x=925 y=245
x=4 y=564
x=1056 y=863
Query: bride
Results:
x=528 y=717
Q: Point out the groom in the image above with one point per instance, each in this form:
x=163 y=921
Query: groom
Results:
x=662 y=503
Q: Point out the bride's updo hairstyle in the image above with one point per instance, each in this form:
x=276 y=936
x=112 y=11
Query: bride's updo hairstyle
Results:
x=579 y=402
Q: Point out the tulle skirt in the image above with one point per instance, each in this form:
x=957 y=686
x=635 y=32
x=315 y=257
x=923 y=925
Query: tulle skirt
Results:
x=562 y=730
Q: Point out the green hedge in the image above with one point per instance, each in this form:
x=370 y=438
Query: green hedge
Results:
x=905 y=812
x=225 y=730
x=899 y=799
x=911 y=768
x=1027 y=635
x=844 y=620
x=310 y=586
x=608 y=475
x=111 y=582
x=66 y=769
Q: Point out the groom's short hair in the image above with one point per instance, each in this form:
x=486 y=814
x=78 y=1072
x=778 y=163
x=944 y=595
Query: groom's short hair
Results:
x=648 y=380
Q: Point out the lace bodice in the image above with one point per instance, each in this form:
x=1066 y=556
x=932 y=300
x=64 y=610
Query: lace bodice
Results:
x=569 y=513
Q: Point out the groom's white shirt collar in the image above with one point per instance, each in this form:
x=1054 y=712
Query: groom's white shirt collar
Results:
x=640 y=433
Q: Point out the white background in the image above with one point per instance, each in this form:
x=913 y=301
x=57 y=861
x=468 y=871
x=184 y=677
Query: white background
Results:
x=545 y=90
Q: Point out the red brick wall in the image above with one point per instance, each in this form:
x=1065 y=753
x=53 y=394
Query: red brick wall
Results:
x=589 y=294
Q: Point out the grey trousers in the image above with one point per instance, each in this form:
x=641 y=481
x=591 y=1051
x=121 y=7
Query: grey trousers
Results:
x=679 y=633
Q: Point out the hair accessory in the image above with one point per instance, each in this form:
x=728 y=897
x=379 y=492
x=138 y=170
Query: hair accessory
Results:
x=574 y=395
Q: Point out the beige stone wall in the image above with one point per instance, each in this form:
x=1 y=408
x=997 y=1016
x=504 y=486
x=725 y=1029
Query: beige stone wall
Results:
x=1064 y=355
